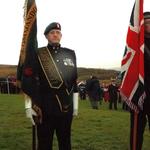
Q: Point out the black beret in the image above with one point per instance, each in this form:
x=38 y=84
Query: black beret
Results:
x=147 y=15
x=51 y=26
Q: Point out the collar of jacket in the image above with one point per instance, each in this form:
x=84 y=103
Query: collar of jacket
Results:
x=53 y=46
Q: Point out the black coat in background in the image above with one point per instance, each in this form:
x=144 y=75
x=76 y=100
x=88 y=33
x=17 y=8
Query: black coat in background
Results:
x=93 y=89
x=113 y=92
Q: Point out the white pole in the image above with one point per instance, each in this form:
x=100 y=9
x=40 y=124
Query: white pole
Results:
x=8 y=86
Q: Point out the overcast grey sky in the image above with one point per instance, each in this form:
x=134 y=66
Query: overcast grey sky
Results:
x=95 y=29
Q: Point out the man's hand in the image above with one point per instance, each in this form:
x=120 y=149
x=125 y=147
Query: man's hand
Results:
x=38 y=117
x=35 y=114
x=30 y=113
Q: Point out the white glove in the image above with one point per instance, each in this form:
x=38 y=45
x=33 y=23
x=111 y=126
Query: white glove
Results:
x=30 y=113
x=28 y=108
x=75 y=104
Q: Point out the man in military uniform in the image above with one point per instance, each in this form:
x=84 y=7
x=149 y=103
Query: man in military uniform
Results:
x=52 y=100
x=143 y=116
x=82 y=90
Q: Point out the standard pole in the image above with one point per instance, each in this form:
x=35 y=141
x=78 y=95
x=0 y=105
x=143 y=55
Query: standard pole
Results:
x=33 y=137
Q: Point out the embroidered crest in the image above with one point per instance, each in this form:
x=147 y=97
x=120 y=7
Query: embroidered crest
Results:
x=28 y=71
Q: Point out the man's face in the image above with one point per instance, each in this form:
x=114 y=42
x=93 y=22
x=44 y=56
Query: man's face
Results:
x=147 y=26
x=54 y=36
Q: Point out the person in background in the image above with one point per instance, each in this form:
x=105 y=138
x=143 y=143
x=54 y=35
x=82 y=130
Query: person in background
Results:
x=82 y=90
x=113 y=93
x=143 y=116
x=93 y=91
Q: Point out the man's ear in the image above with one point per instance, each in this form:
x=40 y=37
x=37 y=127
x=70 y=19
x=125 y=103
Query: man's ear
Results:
x=61 y=36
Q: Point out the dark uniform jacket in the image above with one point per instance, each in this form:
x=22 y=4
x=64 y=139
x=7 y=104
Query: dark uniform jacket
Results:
x=147 y=75
x=55 y=101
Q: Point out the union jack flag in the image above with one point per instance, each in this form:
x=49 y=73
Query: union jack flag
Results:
x=132 y=86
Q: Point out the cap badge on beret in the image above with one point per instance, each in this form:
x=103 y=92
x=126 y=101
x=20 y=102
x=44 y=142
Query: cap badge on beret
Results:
x=58 y=26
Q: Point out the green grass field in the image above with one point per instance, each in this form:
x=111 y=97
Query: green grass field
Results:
x=92 y=130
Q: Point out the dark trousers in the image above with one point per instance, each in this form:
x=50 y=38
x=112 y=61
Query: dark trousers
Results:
x=94 y=103
x=125 y=106
x=138 y=123
x=82 y=95
x=62 y=126
x=113 y=102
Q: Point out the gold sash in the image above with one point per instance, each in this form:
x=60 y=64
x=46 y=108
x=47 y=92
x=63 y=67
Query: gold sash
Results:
x=49 y=68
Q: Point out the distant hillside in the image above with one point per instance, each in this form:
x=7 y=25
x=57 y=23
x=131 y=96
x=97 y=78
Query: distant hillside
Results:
x=102 y=74
x=7 y=70
x=83 y=73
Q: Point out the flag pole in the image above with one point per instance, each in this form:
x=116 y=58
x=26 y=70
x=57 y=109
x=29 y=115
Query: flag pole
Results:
x=33 y=137
x=135 y=130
